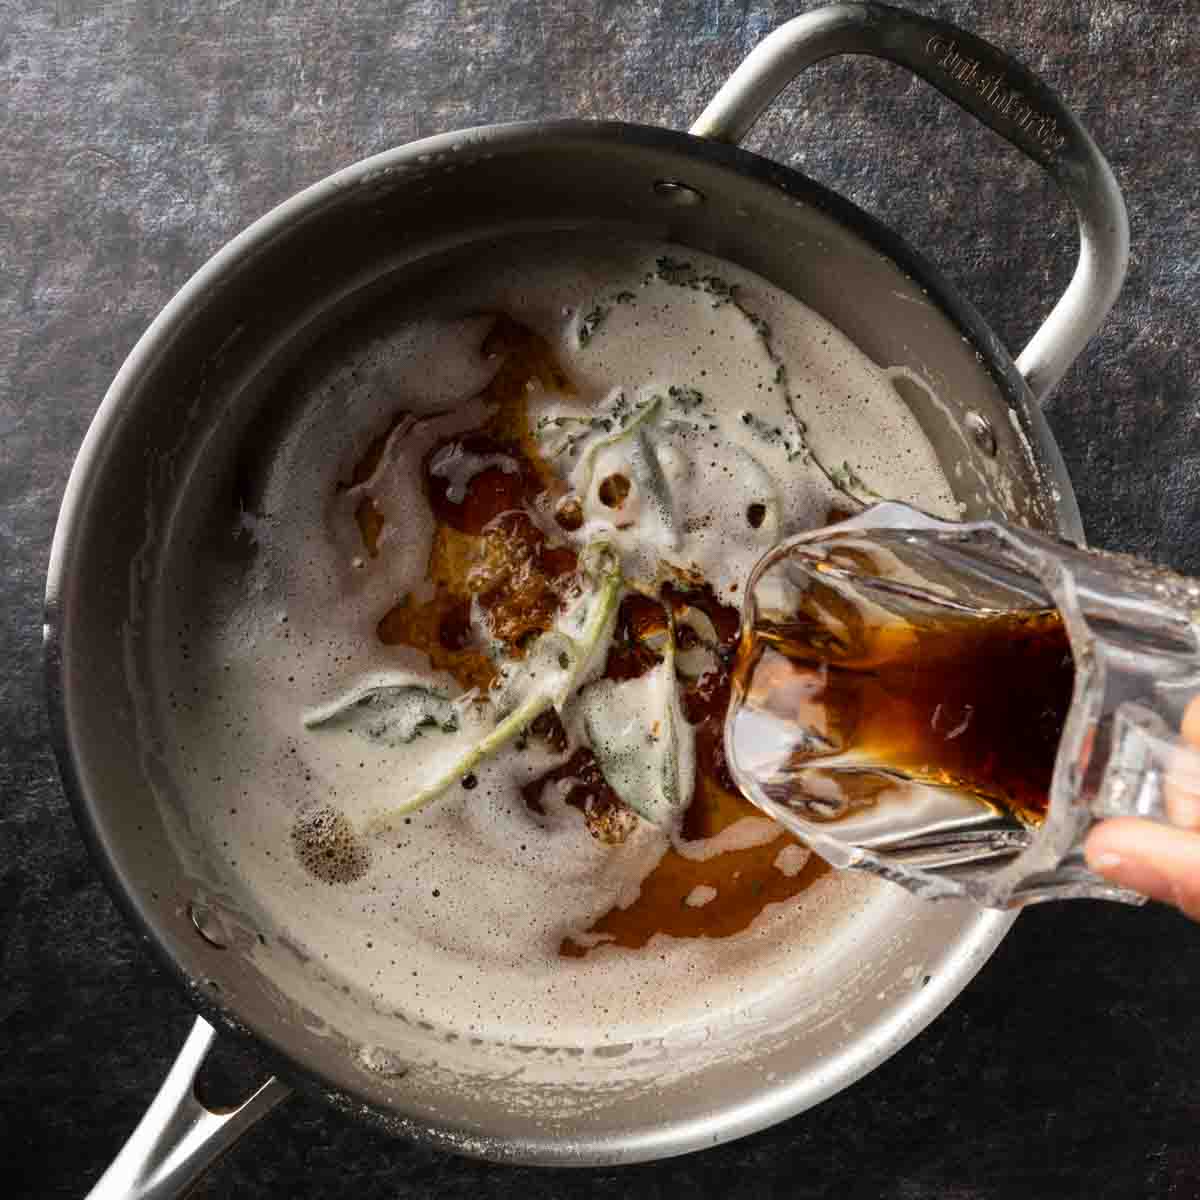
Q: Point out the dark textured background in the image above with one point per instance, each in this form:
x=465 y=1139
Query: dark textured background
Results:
x=138 y=137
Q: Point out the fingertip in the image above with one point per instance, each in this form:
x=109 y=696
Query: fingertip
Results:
x=1189 y=727
x=1109 y=839
x=1118 y=851
x=1150 y=858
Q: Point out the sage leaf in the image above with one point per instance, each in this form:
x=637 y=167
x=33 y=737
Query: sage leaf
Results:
x=629 y=425
x=850 y=484
x=391 y=709
x=643 y=465
x=642 y=742
x=648 y=472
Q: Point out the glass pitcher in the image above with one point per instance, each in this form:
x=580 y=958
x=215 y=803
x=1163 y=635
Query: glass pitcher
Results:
x=1132 y=633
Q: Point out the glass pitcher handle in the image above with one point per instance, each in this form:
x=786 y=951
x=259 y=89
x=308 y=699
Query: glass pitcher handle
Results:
x=1136 y=643
x=1150 y=773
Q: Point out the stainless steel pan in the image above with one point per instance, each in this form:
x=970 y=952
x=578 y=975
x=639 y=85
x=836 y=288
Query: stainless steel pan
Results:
x=171 y=424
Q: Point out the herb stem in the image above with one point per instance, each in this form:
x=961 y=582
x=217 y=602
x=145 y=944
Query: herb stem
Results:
x=548 y=694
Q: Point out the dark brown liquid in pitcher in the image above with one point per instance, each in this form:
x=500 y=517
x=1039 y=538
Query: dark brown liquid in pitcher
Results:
x=974 y=703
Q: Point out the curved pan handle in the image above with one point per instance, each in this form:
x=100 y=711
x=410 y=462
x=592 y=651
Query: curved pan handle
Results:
x=179 y=1138
x=997 y=91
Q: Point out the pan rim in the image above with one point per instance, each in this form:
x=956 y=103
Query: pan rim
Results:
x=774 y=1102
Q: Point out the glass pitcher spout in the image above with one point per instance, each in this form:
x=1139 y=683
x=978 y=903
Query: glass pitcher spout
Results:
x=952 y=706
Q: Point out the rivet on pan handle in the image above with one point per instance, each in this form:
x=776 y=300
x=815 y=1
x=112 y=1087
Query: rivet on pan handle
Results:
x=179 y=1138
x=996 y=90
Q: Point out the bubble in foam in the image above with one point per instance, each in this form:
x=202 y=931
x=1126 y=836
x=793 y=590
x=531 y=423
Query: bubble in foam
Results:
x=328 y=847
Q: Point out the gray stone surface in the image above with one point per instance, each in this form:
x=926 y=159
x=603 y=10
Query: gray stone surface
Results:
x=137 y=137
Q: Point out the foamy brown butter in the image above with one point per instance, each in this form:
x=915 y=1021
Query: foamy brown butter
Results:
x=459 y=914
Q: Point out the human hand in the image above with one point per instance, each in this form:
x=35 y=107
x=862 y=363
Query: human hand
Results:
x=1160 y=861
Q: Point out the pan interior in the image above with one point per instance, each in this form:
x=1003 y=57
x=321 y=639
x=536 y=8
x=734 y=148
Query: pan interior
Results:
x=876 y=964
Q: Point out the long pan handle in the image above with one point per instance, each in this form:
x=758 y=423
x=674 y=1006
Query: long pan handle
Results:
x=179 y=1138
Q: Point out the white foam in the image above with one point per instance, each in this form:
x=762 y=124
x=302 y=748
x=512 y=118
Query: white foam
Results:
x=460 y=917
x=792 y=859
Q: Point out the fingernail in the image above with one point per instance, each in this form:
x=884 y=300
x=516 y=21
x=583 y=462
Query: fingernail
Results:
x=1134 y=874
